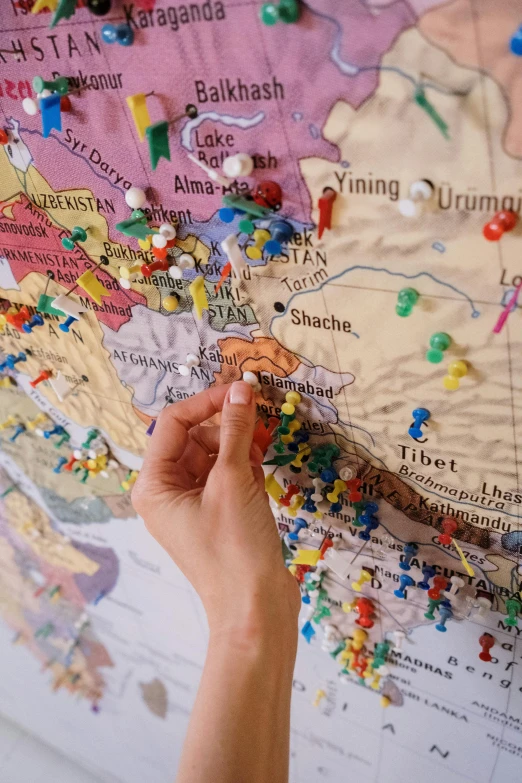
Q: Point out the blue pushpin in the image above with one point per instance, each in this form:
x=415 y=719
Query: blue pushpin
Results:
x=305 y=598
x=370 y=522
x=428 y=572
x=56 y=430
x=328 y=475
x=11 y=359
x=67 y=323
x=36 y=320
x=120 y=33
x=410 y=550
x=61 y=462
x=281 y=232
x=420 y=415
x=300 y=523
x=445 y=614
x=18 y=431
x=309 y=504
x=308 y=631
x=516 y=43
x=405 y=581
x=227 y=214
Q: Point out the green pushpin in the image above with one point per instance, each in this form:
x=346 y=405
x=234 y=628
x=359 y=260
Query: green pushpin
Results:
x=359 y=507
x=513 y=607
x=432 y=605
x=286 y=11
x=135 y=227
x=286 y=418
x=379 y=655
x=405 y=301
x=439 y=342
x=158 y=138
x=64 y=439
x=246 y=226
x=92 y=434
x=340 y=647
x=78 y=234
x=323 y=611
x=281 y=460
x=60 y=85
x=431 y=111
x=85 y=476
x=65 y=10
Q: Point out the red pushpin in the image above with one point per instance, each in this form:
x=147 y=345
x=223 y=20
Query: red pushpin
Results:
x=486 y=641
x=147 y=269
x=160 y=253
x=503 y=221
x=364 y=607
x=4 y=138
x=292 y=490
x=361 y=666
x=439 y=584
x=263 y=433
x=325 y=205
x=65 y=103
x=44 y=376
x=69 y=466
x=353 y=487
x=300 y=571
x=449 y=526
x=18 y=319
x=327 y=543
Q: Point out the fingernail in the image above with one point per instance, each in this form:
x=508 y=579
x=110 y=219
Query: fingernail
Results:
x=240 y=393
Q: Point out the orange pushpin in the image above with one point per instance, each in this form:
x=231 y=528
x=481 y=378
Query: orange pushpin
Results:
x=44 y=376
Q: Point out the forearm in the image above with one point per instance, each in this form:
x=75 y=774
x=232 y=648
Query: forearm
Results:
x=239 y=730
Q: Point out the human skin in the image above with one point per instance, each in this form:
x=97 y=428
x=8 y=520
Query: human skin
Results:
x=211 y=514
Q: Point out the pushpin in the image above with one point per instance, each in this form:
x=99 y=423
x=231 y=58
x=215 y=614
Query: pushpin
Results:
x=365 y=576
x=410 y=550
x=369 y=521
x=32 y=424
x=359 y=638
x=420 y=415
x=199 y=295
x=484 y=605
x=40 y=5
x=428 y=572
x=285 y=11
x=445 y=613
x=36 y=320
x=365 y=608
x=502 y=222
x=239 y=165
x=11 y=421
x=118 y=33
x=78 y=234
x=171 y=302
x=449 y=527
x=235 y=205
x=515 y=45
x=255 y=251
x=59 y=85
x=404 y=582
x=18 y=431
x=456 y=584
x=128 y=275
x=406 y=300
x=281 y=232
x=130 y=479
x=12 y=360
x=325 y=205
x=433 y=603
x=420 y=192
x=353 y=486
x=299 y=524
x=135 y=197
x=99 y=7
x=486 y=641
x=292 y=490
x=231 y=247
x=456 y=371
x=56 y=430
x=439 y=342
x=191 y=361
x=59 y=465
x=513 y=607
x=338 y=487
x=18 y=319
x=439 y=584
x=252 y=380
x=44 y=376
x=66 y=325
x=147 y=270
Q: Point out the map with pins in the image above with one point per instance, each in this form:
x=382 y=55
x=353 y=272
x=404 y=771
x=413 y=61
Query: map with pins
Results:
x=331 y=206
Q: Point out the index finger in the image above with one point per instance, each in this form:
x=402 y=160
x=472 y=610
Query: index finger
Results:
x=170 y=435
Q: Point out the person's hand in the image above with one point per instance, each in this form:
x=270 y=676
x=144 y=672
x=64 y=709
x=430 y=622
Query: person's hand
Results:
x=211 y=513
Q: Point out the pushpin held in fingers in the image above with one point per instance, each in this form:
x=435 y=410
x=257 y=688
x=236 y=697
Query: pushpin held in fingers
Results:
x=456 y=371
x=252 y=380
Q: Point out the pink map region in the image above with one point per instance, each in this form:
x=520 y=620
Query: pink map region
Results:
x=299 y=94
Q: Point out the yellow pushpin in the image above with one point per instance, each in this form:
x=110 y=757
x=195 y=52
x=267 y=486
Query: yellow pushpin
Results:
x=128 y=272
x=307 y=557
x=359 y=638
x=199 y=295
x=349 y=606
x=6 y=383
x=297 y=502
x=51 y=5
x=140 y=113
x=304 y=450
x=274 y=488
x=339 y=486
x=385 y=701
x=32 y=424
x=92 y=286
x=320 y=694
x=130 y=480
x=9 y=422
x=171 y=303
x=145 y=244
x=364 y=576
x=261 y=237
x=293 y=426
x=293 y=397
x=456 y=370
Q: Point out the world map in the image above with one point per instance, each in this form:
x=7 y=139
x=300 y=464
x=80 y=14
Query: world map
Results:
x=98 y=629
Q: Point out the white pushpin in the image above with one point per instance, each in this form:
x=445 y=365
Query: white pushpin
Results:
x=79 y=454
x=191 y=361
x=214 y=175
x=251 y=379
x=337 y=563
x=128 y=275
x=135 y=198
x=67 y=306
x=398 y=639
x=168 y=231
x=420 y=191
x=332 y=637
x=240 y=165
x=233 y=252
x=317 y=497
x=347 y=473
x=30 y=106
x=484 y=605
x=185 y=261
x=456 y=584
x=159 y=240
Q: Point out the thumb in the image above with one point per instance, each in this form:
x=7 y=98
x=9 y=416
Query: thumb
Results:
x=237 y=425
